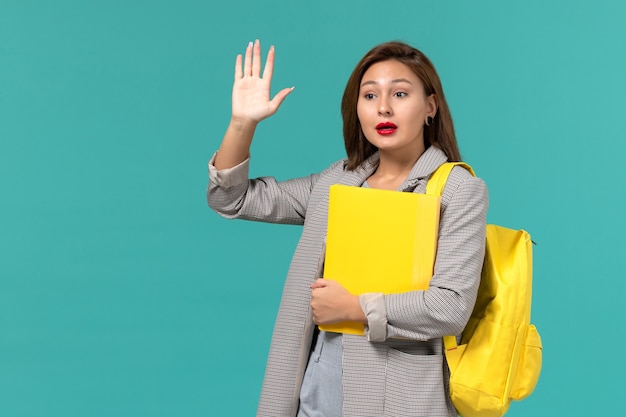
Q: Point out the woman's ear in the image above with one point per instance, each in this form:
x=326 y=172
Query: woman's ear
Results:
x=431 y=105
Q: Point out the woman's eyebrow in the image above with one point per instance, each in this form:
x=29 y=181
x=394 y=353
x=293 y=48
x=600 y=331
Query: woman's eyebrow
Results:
x=397 y=80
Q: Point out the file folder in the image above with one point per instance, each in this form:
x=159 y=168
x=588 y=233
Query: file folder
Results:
x=379 y=241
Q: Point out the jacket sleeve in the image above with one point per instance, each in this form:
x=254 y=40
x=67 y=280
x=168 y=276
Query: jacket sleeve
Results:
x=232 y=195
x=446 y=306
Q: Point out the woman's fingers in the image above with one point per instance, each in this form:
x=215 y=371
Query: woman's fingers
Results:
x=238 y=72
x=252 y=62
x=269 y=64
x=247 y=62
x=319 y=283
x=279 y=97
x=256 y=59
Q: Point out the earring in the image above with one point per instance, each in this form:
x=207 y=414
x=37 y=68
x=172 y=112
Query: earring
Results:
x=429 y=121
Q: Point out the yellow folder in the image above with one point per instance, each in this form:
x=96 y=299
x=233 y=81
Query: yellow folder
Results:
x=379 y=241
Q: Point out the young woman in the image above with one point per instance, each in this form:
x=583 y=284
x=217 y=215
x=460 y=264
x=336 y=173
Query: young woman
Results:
x=397 y=131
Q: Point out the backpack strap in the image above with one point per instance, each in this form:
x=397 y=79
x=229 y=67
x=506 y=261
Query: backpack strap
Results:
x=438 y=179
x=435 y=186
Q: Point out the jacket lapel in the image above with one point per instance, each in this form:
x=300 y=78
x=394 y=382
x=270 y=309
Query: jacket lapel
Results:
x=427 y=163
x=358 y=176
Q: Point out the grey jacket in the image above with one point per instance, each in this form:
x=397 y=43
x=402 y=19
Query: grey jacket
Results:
x=389 y=377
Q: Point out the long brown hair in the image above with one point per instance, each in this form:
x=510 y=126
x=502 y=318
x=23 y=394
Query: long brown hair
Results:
x=440 y=133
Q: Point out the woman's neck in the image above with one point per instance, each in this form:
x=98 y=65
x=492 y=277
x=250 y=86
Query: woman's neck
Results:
x=393 y=169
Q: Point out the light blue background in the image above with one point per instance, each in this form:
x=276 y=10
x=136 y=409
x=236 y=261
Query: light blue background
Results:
x=122 y=294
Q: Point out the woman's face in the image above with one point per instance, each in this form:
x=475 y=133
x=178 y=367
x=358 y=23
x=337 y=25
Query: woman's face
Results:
x=393 y=107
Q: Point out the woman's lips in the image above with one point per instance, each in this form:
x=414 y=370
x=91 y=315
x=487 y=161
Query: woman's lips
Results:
x=386 y=128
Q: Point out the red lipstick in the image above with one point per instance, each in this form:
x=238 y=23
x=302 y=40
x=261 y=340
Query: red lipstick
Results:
x=386 y=128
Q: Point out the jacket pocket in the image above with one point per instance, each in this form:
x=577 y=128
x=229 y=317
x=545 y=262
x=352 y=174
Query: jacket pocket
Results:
x=414 y=385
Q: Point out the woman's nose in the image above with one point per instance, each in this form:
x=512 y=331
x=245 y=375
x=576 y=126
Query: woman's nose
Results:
x=384 y=108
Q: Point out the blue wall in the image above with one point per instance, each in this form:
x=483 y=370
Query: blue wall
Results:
x=122 y=294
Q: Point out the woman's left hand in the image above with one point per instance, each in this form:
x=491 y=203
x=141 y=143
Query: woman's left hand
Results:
x=332 y=303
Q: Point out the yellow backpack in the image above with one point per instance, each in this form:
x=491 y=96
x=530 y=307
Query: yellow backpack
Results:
x=499 y=357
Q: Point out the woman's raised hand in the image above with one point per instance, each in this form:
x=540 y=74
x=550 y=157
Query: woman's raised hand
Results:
x=251 y=104
x=251 y=91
